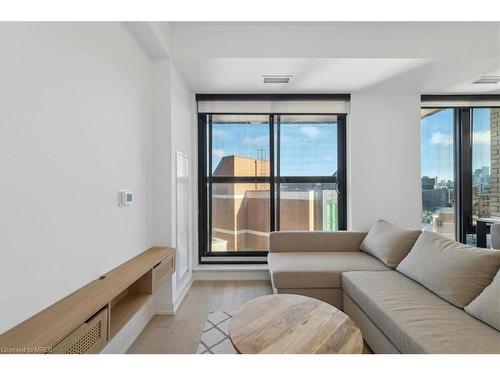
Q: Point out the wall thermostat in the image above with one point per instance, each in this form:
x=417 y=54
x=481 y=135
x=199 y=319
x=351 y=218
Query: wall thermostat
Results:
x=125 y=197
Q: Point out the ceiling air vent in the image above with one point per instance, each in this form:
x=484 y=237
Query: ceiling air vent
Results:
x=488 y=79
x=277 y=79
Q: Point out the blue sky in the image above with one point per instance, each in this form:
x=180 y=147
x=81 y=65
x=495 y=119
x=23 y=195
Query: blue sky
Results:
x=306 y=149
x=437 y=143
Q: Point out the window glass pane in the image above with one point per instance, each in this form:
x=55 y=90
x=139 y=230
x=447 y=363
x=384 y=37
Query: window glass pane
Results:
x=240 y=217
x=438 y=180
x=308 y=145
x=485 y=164
x=240 y=145
x=238 y=213
x=308 y=206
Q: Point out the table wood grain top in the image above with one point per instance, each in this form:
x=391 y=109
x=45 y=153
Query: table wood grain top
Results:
x=293 y=324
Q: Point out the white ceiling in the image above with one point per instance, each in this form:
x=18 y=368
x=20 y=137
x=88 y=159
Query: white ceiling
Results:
x=337 y=57
x=309 y=75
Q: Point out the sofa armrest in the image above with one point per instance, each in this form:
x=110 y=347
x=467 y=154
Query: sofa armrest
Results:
x=298 y=241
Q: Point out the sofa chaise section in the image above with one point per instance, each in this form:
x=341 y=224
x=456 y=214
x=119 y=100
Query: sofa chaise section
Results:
x=396 y=314
x=312 y=263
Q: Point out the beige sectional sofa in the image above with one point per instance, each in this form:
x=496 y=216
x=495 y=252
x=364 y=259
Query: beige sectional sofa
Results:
x=408 y=291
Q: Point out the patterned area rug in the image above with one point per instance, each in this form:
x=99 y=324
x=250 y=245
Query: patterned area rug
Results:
x=215 y=336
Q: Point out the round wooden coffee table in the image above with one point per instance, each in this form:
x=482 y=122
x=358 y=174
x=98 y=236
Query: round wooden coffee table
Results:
x=293 y=324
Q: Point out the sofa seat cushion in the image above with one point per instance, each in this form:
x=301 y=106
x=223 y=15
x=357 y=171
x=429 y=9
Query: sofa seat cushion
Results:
x=416 y=320
x=317 y=269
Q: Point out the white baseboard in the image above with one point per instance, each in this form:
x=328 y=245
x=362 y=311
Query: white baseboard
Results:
x=173 y=307
x=127 y=335
x=220 y=274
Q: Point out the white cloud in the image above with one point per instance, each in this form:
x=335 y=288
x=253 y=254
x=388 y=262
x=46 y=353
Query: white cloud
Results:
x=482 y=137
x=217 y=133
x=218 y=152
x=261 y=140
x=311 y=132
x=442 y=139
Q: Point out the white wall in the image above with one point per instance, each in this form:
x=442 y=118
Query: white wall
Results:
x=173 y=109
x=384 y=160
x=183 y=140
x=162 y=153
x=75 y=128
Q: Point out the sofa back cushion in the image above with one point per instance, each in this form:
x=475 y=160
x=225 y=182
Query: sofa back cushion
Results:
x=389 y=243
x=457 y=273
x=486 y=306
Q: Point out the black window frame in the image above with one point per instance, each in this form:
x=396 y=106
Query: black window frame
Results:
x=462 y=155
x=205 y=178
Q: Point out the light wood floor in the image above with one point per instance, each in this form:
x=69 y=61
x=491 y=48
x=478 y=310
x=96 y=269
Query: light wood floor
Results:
x=181 y=333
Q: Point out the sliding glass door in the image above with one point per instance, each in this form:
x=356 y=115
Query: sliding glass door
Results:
x=437 y=171
x=460 y=153
x=485 y=181
x=260 y=173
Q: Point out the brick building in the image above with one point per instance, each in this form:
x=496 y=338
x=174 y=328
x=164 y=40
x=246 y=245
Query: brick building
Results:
x=241 y=211
x=494 y=201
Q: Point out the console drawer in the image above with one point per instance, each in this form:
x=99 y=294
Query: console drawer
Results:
x=89 y=338
x=163 y=269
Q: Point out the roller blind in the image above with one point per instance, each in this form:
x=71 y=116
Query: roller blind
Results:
x=336 y=106
x=461 y=103
x=453 y=101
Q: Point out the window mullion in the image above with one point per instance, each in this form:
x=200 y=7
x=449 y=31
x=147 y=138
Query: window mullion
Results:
x=272 y=205
x=278 y=171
